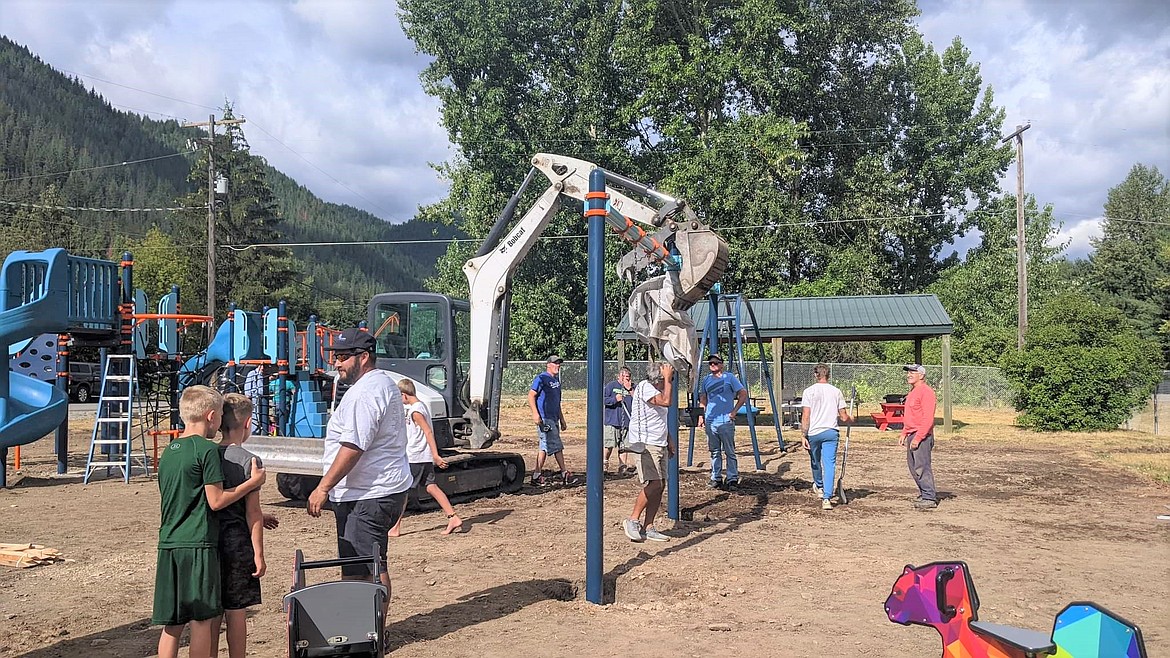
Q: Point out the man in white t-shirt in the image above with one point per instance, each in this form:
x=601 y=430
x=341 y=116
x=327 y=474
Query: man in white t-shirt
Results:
x=367 y=474
x=648 y=436
x=822 y=406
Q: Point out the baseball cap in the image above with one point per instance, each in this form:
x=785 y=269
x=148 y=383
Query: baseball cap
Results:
x=553 y=358
x=914 y=367
x=715 y=358
x=353 y=339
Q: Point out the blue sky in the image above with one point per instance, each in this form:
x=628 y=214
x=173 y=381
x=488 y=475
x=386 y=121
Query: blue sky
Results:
x=331 y=93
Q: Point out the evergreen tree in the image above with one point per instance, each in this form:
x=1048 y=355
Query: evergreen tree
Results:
x=1131 y=262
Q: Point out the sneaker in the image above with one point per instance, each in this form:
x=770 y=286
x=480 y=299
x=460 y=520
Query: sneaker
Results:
x=733 y=485
x=654 y=535
x=567 y=478
x=538 y=480
x=818 y=492
x=926 y=504
x=826 y=503
x=633 y=530
x=713 y=484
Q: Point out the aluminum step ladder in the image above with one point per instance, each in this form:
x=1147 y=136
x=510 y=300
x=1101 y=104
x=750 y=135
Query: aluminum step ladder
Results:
x=120 y=411
x=731 y=322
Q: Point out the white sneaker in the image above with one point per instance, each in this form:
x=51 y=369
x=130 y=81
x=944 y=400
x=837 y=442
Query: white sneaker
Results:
x=654 y=535
x=826 y=504
x=818 y=492
x=633 y=530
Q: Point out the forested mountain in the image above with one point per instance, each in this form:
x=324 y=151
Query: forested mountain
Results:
x=65 y=150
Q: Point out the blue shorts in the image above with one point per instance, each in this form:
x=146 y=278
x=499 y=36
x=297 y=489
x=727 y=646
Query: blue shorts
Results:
x=550 y=441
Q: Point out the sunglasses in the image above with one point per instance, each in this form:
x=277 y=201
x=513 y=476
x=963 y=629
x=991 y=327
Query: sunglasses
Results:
x=344 y=356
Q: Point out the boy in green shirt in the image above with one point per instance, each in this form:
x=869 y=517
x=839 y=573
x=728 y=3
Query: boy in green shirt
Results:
x=190 y=479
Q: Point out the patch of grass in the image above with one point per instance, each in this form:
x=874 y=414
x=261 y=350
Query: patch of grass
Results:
x=1155 y=465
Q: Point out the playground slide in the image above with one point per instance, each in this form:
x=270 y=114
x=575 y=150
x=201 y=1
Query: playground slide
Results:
x=33 y=408
x=199 y=368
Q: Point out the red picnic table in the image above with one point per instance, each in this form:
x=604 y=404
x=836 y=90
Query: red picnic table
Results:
x=891 y=414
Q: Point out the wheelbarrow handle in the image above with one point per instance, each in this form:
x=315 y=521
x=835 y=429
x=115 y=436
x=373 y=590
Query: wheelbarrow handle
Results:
x=299 y=566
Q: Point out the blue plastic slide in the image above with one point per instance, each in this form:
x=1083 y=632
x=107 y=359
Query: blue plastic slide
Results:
x=34 y=299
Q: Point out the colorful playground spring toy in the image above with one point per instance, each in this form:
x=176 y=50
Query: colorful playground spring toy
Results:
x=942 y=595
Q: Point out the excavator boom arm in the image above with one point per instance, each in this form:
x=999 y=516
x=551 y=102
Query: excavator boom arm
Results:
x=703 y=257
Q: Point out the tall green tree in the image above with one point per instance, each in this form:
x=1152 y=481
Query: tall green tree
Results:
x=806 y=131
x=981 y=294
x=159 y=263
x=247 y=214
x=1131 y=261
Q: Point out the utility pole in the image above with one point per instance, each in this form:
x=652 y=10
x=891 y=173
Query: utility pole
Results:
x=210 y=124
x=1021 y=248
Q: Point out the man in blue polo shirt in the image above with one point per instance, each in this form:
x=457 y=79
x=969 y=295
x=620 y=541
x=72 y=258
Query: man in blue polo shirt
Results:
x=544 y=399
x=722 y=394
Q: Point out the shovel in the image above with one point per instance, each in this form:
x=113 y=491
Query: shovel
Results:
x=845 y=452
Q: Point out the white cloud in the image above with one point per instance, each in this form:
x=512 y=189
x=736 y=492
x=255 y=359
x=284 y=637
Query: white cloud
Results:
x=1090 y=77
x=336 y=81
x=1078 y=235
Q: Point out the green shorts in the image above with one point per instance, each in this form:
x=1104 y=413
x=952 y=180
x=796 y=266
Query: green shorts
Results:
x=186 y=586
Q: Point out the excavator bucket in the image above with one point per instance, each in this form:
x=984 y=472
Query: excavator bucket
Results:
x=704 y=260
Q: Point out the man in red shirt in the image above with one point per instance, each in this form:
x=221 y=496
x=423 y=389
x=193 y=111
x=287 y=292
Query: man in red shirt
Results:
x=918 y=434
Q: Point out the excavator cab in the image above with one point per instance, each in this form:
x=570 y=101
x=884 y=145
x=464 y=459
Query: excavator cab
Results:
x=417 y=335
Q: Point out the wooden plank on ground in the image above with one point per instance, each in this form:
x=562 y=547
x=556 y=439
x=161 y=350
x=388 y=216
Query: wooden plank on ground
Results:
x=23 y=556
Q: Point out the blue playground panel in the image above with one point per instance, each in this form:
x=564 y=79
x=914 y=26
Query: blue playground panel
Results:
x=48 y=292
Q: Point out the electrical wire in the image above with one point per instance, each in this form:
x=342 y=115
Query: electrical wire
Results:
x=118 y=84
x=331 y=177
x=125 y=163
x=40 y=206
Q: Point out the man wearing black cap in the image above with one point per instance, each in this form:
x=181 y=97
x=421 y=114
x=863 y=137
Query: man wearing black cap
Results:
x=722 y=394
x=367 y=477
x=544 y=399
x=918 y=434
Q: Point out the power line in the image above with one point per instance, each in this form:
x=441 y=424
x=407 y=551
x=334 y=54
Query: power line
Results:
x=124 y=163
x=388 y=214
x=118 y=84
x=578 y=236
x=40 y=206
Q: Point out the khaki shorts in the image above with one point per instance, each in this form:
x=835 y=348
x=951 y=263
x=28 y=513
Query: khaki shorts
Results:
x=652 y=464
x=615 y=437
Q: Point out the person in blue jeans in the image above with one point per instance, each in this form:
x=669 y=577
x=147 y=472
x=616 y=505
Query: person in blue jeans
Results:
x=544 y=401
x=822 y=406
x=721 y=394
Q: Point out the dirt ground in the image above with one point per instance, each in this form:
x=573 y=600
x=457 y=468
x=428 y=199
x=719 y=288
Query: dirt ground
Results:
x=1041 y=520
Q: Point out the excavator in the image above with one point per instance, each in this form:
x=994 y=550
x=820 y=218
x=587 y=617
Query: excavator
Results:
x=456 y=351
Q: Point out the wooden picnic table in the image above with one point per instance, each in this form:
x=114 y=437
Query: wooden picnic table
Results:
x=891 y=414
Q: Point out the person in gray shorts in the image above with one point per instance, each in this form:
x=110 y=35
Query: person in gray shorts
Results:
x=617 y=418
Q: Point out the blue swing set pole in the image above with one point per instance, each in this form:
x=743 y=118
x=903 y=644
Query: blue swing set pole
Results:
x=595 y=313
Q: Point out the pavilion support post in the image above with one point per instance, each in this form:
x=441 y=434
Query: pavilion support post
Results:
x=621 y=354
x=946 y=384
x=918 y=351
x=778 y=363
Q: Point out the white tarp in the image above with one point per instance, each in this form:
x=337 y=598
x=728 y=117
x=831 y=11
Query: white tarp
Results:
x=654 y=319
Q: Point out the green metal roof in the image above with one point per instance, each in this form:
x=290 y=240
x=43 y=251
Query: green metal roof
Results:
x=826 y=319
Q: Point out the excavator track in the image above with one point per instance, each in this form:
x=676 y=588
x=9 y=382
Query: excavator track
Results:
x=474 y=475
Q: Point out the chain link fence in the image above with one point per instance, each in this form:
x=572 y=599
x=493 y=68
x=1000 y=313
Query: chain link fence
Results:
x=1152 y=418
x=970 y=385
